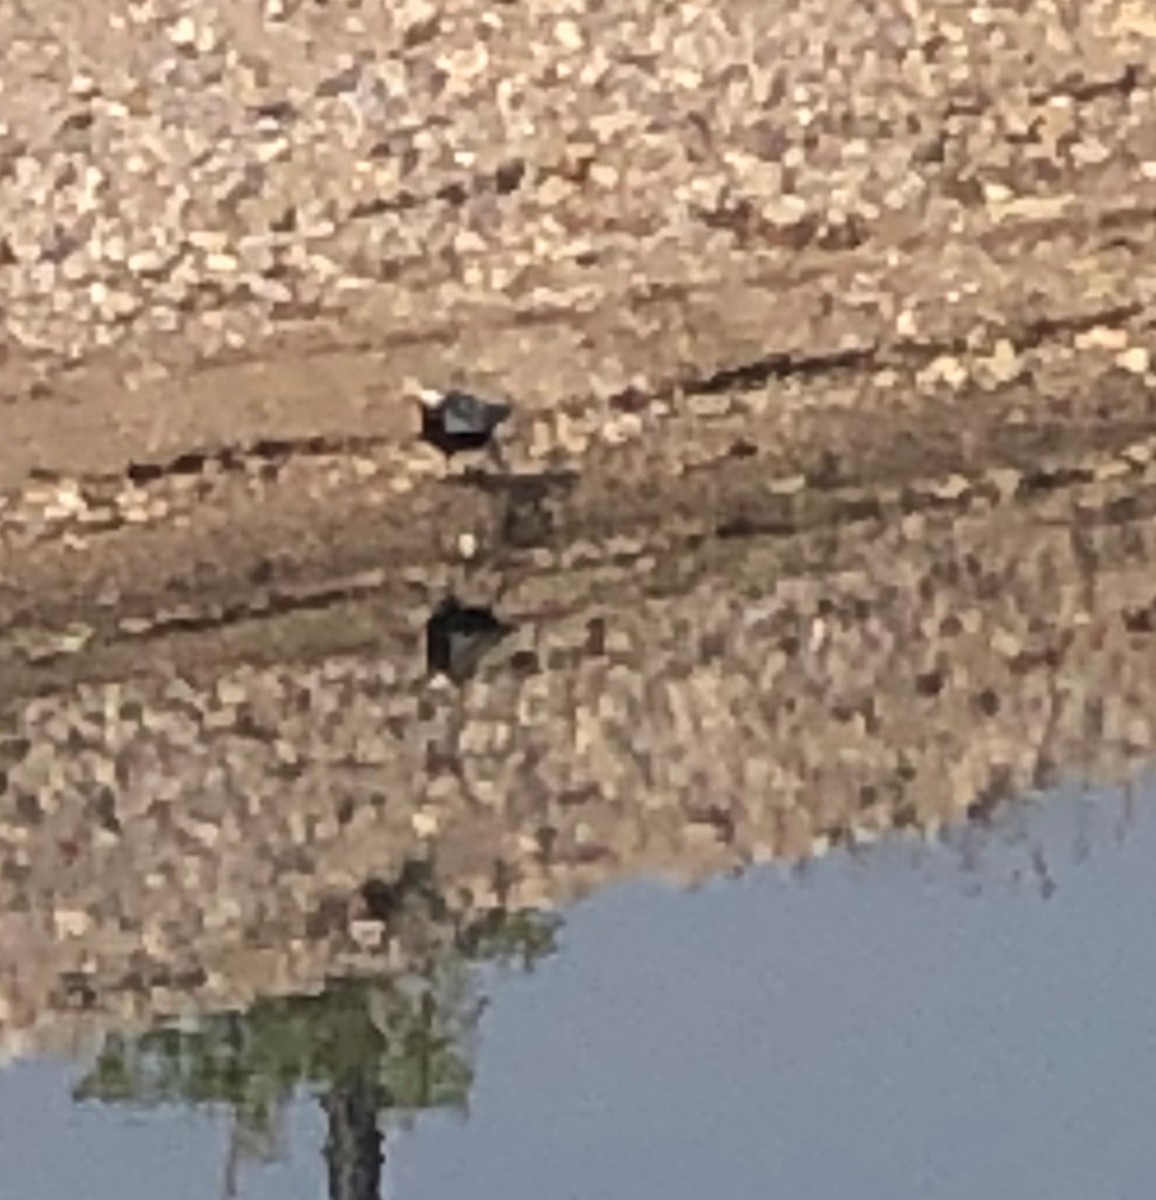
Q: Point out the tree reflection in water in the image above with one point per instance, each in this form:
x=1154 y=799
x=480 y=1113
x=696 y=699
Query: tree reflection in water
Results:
x=368 y=1049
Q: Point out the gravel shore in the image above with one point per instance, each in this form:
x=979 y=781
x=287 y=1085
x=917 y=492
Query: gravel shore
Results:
x=563 y=199
x=829 y=330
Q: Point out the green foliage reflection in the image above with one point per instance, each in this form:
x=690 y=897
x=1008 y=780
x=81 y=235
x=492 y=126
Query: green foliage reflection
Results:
x=363 y=1047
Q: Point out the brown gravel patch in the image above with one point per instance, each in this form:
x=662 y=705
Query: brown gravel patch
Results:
x=227 y=223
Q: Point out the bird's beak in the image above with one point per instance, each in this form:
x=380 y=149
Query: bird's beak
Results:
x=429 y=397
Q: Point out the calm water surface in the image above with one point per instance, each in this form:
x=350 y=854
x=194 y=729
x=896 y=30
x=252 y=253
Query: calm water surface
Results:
x=976 y=1018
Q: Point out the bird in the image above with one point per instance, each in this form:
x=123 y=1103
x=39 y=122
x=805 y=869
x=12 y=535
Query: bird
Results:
x=457 y=421
x=458 y=635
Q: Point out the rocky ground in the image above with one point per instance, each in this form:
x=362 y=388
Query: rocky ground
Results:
x=827 y=508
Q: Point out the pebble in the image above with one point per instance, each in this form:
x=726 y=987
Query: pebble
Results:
x=568 y=34
x=71 y=922
x=1101 y=337
x=1004 y=364
x=1136 y=360
x=945 y=369
x=183 y=32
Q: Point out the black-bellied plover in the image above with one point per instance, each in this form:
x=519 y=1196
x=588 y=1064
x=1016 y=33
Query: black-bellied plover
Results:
x=457 y=421
x=457 y=635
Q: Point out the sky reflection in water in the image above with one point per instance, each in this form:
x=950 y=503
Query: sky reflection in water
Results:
x=977 y=1018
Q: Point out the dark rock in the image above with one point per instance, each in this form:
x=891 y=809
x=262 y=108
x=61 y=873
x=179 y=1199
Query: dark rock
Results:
x=457 y=636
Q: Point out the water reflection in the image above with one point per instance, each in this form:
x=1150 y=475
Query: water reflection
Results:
x=371 y=1052
x=905 y=1019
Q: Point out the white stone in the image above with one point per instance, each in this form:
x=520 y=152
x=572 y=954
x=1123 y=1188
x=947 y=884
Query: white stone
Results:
x=183 y=32
x=1135 y=360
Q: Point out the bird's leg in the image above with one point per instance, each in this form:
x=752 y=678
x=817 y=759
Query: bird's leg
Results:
x=497 y=456
x=504 y=582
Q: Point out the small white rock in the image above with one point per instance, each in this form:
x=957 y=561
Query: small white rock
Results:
x=1004 y=364
x=568 y=34
x=224 y=264
x=1135 y=360
x=71 y=922
x=367 y=934
x=183 y=32
x=425 y=823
